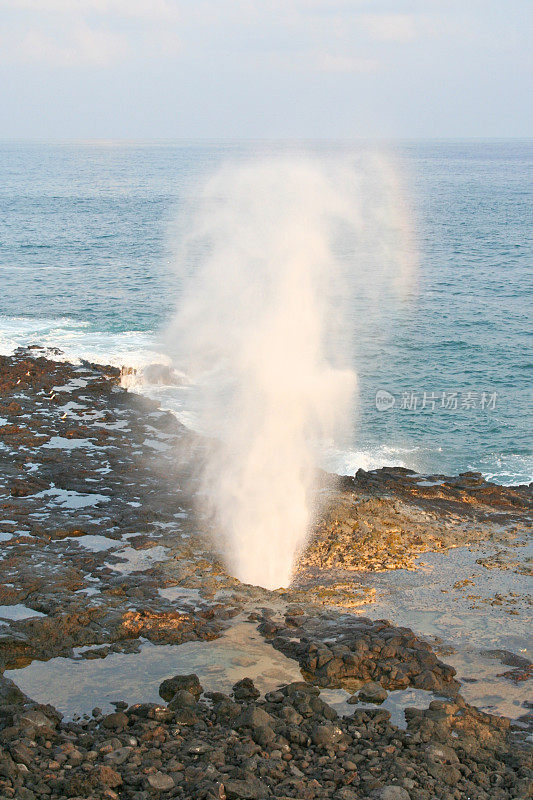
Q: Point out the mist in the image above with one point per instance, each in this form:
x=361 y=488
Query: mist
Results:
x=272 y=254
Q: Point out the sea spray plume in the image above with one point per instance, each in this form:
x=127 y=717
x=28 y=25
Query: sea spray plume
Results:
x=263 y=306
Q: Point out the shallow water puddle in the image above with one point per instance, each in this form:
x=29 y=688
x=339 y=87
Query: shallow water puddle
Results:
x=174 y=593
x=95 y=542
x=457 y=601
x=77 y=686
x=138 y=560
x=396 y=703
x=73 y=383
x=19 y=611
x=71 y=500
x=156 y=445
x=61 y=443
x=486 y=688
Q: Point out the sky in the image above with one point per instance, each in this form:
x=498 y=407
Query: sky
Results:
x=216 y=69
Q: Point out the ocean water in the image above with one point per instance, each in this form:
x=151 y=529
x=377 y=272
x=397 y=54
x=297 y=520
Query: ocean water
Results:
x=87 y=239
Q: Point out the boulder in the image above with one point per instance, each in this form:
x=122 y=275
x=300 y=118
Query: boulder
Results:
x=182 y=699
x=372 y=693
x=254 y=717
x=189 y=683
x=116 y=721
x=10 y=692
x=326 y=735
x=245 y=690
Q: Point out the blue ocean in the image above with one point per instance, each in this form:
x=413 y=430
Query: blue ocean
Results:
x=87 y=237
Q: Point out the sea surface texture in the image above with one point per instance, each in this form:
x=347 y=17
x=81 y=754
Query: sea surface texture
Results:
x=88 y=236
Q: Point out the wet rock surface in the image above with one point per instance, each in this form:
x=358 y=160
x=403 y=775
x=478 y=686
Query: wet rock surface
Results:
x=87 y=523
x=101 y=552
x=382 y=519
x=340 y=650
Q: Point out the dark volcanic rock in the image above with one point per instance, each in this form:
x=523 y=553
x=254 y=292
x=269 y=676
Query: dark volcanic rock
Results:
x=245 y=690
x=373 y=693
x=382 y=519
x=268 y=749
x=368 y=651
x=189 y=683
x=76 y=464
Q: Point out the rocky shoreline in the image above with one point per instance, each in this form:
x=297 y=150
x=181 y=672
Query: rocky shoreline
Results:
x=102 y=552
x=292 y=744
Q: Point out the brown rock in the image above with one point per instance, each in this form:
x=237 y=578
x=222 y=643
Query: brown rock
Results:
x=109 y=777
x=117 y=720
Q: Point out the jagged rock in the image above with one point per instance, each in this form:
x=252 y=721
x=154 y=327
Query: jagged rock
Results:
x=346 y=794
x=21 y=753
x=151 y=711
x=109 y=777
x=118 y=756
x=8 y=768
x=440 y=752
x=298 y=687
x=10 y=692
x=245 y=690
x=263 y=735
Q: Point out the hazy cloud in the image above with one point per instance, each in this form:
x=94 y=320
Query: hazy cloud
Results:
x=329 y=62
x=303 y=66
x=151 y=9
x=78 y=45
x=390 y=27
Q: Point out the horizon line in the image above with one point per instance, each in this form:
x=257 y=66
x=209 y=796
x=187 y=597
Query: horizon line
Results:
x=250 y=139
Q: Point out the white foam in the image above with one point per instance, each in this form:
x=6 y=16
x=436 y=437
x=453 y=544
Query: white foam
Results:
x=77 y=341
x=137 y=350
x=347 y=462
